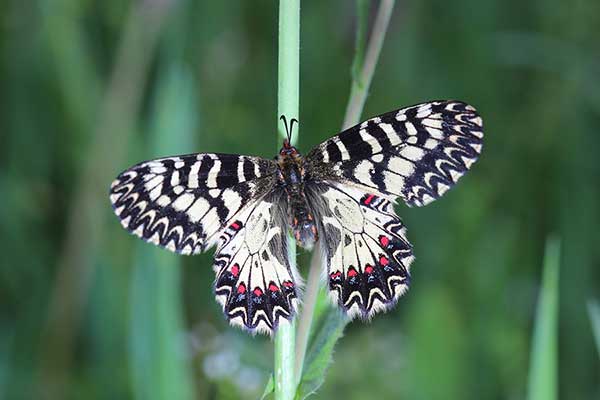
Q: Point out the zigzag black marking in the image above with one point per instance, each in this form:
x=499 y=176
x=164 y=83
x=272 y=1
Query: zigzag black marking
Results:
x=148 y=209
x=371 y=286
x=255 y=284
x=186 y=203
x=440 y=139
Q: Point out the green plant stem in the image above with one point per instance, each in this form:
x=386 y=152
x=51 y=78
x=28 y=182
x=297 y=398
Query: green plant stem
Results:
x=288 y=105
x=308 y=310
x=363 y=68
x=361 y=84
x=362 y=25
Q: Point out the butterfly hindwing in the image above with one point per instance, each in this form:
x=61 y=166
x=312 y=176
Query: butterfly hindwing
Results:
x=255 y=283
x=180 y=203
x=365 y=248
x=416 y=153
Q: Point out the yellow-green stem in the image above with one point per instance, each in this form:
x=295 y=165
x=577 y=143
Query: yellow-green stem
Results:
x=288 y=105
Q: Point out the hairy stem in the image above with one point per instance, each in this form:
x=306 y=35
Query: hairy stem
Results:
x=363 y=68
x=288 y=105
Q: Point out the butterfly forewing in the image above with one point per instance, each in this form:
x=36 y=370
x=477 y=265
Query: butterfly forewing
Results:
x=416 y=153
x=189 y=203
x=180 y=203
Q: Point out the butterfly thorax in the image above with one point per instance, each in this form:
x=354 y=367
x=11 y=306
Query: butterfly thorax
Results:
x=292 y=179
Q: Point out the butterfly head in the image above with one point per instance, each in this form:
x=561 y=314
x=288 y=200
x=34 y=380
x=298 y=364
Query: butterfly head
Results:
x=287 y=149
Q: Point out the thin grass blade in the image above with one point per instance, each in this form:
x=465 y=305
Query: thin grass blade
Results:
x=543 y=368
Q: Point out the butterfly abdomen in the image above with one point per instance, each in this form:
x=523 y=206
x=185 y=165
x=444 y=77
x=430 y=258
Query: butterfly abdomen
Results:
x=302 y=221
x=292 y=180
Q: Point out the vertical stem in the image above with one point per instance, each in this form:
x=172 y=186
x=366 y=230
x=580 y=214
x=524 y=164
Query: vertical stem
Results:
x=288 y=88
x=308 y=310
x=288 y=105
x=361 y=84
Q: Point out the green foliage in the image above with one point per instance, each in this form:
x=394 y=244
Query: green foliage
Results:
x=594 y=312
x=362 y=21
x=158 y=365
x=436 y=328
x=208 y=71
x=543 y=370
x=157 y=343
x=327 y=332
x=269 y=388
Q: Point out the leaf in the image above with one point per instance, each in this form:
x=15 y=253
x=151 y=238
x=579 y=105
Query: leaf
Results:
x=319 y=356
x=543 y=381
x=594 y=313
x=269 y=388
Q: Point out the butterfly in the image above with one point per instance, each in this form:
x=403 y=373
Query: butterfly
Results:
x=340 y=194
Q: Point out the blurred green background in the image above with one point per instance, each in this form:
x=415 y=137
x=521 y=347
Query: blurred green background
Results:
x=87 y=88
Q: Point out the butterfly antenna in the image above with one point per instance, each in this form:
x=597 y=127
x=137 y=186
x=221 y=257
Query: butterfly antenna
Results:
x=292 y=127
x=287 y=131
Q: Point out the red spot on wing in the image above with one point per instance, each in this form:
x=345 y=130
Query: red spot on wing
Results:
x=257 y=291
x=335 y=275
x=383 y=260
x=235 y=270
x=369 y=269
x=384 y=240
x=369 y=199
x=273 y=287
x=352 y=272
x=288 y=284
x=241 y=288
x=237 y=225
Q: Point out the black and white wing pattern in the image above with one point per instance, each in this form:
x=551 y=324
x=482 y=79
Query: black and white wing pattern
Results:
x=416 y=153
x=255 y=283
x=244 y=204
x=187 y=204
x=365 y=248
x=180 y=203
